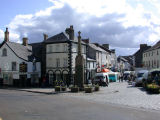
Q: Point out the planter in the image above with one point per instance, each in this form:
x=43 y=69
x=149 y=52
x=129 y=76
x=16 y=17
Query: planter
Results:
x=88 y=90
x=96 y=88
x=63 y=88
x=74 y=89
x=57 y=88
x=152 y=88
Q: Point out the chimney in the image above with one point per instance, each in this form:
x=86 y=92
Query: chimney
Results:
x=70 y=32
x=25 y=41
x=113 y=50
x=86 y=40
x=96 y=44
x=45 y=36
x=6 y=35
x=142 y=46
x=106 y=46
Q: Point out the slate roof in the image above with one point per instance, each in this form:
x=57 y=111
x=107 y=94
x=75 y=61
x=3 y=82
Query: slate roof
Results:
x=96 y=47
x=23 y=52
x=61 y=37
x=154 y=47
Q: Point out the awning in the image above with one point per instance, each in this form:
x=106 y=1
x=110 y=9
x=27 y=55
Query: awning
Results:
x=105 y=70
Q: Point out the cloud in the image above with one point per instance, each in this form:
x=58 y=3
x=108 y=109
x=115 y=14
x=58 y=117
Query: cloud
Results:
x=122 y=25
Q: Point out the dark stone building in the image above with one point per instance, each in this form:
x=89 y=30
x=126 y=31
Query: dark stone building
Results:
x=139 y=55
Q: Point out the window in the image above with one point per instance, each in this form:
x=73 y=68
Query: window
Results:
x=157 y=63
x=34 y=66
x=57 y=48
x=57 y=62
x=65 y=48
x=13 y=66
x=50 y=49
x=4 y=52
x=65 y=62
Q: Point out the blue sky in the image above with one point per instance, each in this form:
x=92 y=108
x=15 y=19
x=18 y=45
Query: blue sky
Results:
x=124 y=24
x=10 y=8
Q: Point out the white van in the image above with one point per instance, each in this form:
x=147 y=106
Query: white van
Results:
x=139 y=77
x=101 y=79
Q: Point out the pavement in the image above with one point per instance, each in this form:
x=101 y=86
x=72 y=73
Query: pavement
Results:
x=21 y=105
x=116 y=93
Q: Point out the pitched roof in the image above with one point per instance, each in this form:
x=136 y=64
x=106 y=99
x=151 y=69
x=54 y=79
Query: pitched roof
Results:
x=92 y=45
x=156 y=46
x=23 y=52
x=61 y=37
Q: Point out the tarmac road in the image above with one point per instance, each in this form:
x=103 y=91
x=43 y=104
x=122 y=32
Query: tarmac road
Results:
x=20 y=105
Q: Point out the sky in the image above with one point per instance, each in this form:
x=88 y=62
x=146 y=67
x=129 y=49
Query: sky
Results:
x=123 y=24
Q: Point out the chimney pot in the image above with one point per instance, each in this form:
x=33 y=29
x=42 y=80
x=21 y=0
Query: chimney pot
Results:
x=70 y=32
x=106 y=46
x=86 y=40
x=45 y=36
x=25 y=41
x=6 y=35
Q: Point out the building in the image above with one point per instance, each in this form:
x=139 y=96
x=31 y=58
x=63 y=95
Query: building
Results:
x=18 y=65
x=99 y=54
x=137 y=57
x=61 y=51
x=123 y=64
x=151 y=57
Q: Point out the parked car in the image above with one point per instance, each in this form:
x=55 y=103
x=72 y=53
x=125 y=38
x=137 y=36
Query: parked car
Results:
x=126 y=75
x=140 y=77
x=101 y=79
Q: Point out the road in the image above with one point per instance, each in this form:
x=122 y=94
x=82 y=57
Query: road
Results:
x=20 y=105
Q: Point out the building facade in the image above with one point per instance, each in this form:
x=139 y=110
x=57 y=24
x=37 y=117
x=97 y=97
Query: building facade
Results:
x=61 y=51
x=18 y=65
x=151 y=57
x=138 y=56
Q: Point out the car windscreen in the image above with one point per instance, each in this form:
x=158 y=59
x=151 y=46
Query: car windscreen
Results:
x=140 y=74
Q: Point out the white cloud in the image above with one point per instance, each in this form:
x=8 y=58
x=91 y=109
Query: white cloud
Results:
x=116 y=22
x=1 y=35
